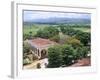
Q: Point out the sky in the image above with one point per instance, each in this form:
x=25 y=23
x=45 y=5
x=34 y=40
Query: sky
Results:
x=33 y=15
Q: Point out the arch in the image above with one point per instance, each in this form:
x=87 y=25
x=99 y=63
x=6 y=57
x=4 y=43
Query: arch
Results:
x=43 y=53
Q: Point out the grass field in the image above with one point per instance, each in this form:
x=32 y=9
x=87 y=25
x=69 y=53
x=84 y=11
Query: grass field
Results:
x=83 y=29
x=34 y=28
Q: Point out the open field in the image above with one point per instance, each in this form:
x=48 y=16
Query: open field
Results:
x=83 y=29
x=34 y=28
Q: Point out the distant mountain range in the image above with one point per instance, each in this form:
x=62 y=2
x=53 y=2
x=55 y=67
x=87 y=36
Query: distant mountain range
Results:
x=60 y=21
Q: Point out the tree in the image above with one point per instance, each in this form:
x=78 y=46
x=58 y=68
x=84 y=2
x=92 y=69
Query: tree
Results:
x=54 y=57
x=81 y=52
x=75 y=43
x=26 y=47
x=47 y=32
x=67 y=29
x=85 y=52
x=30 y=35
x=55 y=38
x=67 y=55
x=70 y=31
x=26 y=36
x=42 y=34
x=52 y=30
x=84 y=37
x=62 y=28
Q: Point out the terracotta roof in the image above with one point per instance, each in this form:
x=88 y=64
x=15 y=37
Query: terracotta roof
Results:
x=40 y=42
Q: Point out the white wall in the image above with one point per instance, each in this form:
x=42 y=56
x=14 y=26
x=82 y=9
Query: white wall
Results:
x=5 y=38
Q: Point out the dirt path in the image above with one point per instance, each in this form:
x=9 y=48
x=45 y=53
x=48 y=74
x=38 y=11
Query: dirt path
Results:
x=34 y=64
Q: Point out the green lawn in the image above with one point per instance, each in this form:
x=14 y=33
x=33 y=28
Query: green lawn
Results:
x=83 y=29
x=33 y=29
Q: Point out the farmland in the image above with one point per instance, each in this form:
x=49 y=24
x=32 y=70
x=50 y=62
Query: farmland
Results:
x=34 y=28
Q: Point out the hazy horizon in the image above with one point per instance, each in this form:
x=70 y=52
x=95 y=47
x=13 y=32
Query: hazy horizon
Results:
x=36 y=15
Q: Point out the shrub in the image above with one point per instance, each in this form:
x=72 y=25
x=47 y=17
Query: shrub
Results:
x=38 y=65
x=26 y=61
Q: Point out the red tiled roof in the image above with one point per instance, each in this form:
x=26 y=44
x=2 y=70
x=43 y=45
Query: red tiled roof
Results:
x=42 y=42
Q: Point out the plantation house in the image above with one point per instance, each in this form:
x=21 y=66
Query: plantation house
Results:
x=40 y=46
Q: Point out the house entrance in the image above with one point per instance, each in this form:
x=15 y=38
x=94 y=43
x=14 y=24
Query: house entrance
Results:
x=43 y=54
